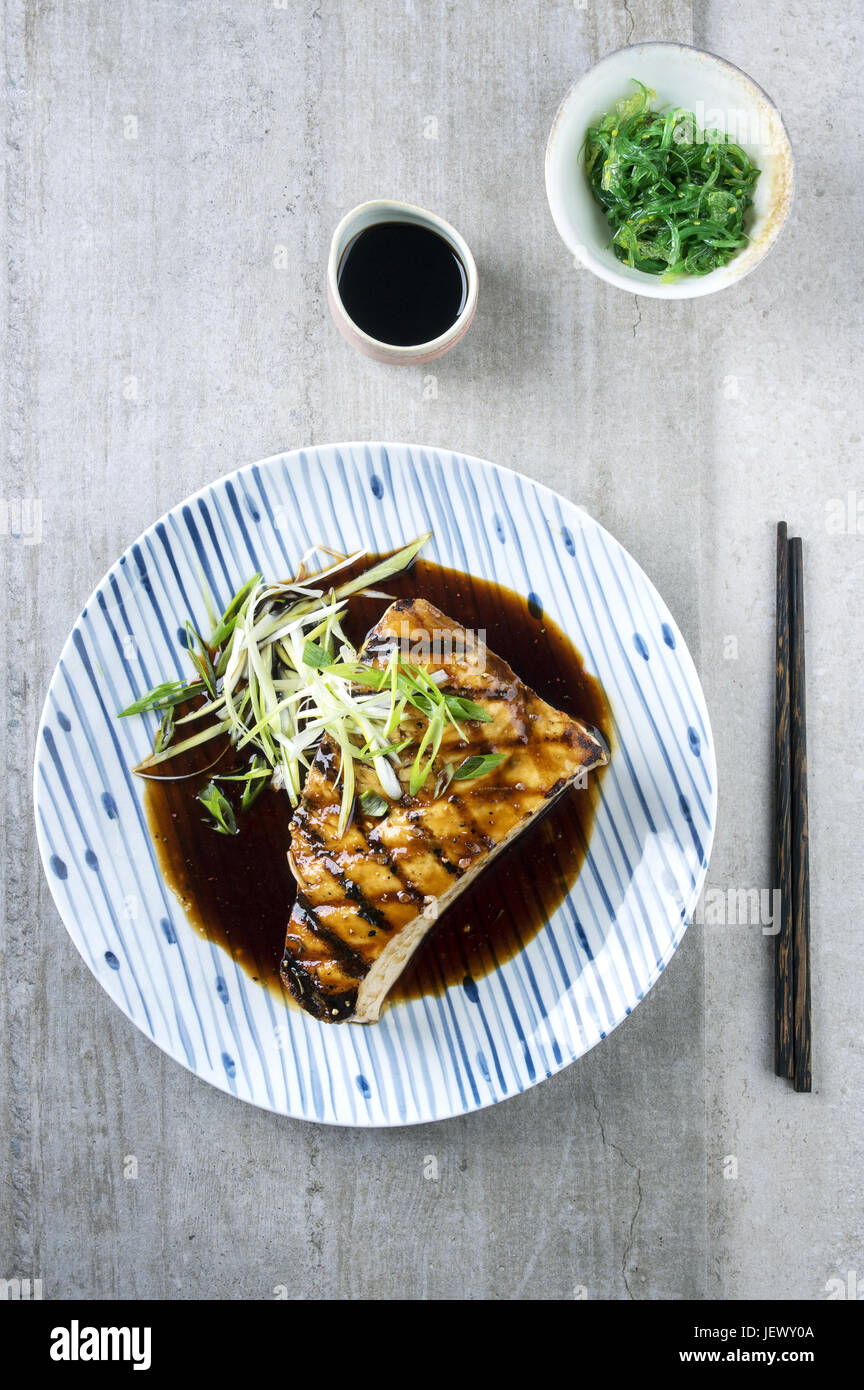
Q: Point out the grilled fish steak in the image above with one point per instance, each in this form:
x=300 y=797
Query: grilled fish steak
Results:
x=366 y=899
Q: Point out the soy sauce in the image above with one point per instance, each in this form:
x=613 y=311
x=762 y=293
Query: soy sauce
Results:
x=401 y=283
x=238 y=890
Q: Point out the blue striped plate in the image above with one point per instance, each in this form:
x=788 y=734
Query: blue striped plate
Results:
x=430 y=1058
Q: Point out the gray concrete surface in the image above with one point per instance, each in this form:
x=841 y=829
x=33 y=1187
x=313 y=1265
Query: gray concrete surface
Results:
x=156 y=156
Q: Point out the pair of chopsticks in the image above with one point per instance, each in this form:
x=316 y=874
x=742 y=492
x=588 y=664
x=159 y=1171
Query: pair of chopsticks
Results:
x=792 y=1024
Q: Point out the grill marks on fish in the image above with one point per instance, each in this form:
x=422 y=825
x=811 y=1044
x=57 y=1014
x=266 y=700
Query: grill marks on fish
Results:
x=367 y=898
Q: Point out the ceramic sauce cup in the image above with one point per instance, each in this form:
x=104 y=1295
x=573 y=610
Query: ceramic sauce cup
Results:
x=385 y=213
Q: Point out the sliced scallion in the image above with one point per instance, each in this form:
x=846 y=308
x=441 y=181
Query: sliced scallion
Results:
x=373 y=804
x=219 y=808
x=477 y=766
x=279 y=674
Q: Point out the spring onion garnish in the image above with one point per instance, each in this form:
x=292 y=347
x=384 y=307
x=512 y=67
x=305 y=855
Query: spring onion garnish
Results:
x=279 y=673
x=220 y=809
x=477 y=766
x=373 y=804
x=165 y=697
x=675 y=196
x=316 y=656
x=165 y=732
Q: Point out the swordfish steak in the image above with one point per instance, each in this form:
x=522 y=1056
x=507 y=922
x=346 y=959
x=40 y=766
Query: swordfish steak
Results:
x=366 y=899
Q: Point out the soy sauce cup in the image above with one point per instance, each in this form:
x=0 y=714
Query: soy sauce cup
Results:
x=382 y=212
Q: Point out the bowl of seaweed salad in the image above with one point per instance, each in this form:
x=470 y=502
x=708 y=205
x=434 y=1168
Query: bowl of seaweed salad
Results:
x=669 y=172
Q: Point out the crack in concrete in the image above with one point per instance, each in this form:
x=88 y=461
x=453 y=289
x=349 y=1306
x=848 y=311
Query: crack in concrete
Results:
x=630 y=21
x=638 y=314
x=631 y=1235
x=543 y=1237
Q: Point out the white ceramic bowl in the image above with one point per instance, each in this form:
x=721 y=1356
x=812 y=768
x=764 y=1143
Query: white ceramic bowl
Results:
x=720 y=96
x=384 y=210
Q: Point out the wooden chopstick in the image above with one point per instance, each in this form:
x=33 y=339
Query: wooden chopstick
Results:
x=800 y=857
x=784 y=1056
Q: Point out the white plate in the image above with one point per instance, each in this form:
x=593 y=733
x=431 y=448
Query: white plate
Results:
x=440 y=1055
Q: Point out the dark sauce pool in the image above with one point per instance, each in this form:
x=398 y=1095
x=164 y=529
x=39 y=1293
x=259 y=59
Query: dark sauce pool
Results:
x=238 y=891
x=401 y=283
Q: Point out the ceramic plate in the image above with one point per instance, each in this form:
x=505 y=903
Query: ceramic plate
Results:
x=480 y=1042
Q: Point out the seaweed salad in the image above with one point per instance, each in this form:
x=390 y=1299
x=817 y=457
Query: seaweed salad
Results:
x=675 y=196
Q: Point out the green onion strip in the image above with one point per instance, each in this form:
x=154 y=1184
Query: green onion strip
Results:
x=279 y=673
